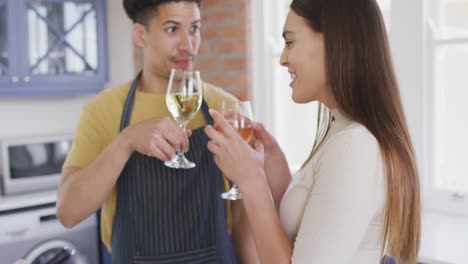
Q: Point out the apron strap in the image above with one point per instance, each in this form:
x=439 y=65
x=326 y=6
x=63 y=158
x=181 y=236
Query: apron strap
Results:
x=128 y=106
x=206 y=113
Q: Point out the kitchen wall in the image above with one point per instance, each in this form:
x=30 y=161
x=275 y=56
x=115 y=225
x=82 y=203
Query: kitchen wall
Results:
x=224 y=54
x=49 y=116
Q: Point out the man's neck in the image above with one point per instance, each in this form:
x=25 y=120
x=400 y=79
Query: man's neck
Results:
x=151 y=83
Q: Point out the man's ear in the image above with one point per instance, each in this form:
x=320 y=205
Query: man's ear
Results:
x=139 y=35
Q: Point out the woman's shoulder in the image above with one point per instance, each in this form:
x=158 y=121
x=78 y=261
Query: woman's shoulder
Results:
x=354 y=134
x=352 y=157
x=352 y=141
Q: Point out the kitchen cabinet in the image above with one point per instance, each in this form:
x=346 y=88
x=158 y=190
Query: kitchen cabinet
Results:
x=52 y=47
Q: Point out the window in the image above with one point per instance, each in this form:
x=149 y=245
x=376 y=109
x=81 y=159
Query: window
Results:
x=429 y=41
x=448 y=82
x=64 y=38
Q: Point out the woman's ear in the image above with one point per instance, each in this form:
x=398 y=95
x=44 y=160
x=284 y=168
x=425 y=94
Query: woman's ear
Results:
x=139 y=35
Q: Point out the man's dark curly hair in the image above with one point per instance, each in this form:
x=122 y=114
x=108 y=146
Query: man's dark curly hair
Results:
x=140 y=11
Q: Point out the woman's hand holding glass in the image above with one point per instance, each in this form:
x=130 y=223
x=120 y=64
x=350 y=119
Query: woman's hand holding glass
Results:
x=233 y=155
x=239 y=115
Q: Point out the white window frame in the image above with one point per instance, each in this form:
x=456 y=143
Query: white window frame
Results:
x=262 y=47
x=450 y=202
x=410 y=41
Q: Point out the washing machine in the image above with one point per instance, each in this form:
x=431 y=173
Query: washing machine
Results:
x=33 y=235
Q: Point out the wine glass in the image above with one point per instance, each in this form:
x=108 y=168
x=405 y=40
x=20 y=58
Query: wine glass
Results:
x=183 y=99
x=239 y=115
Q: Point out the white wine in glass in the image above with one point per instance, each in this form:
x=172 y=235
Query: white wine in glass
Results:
x=240 y=116
x=183 y=98
x=183 y=107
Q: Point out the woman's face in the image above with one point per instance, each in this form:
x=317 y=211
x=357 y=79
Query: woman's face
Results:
x=304 y=56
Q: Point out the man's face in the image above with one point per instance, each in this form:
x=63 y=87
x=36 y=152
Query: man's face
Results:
x=172 y=38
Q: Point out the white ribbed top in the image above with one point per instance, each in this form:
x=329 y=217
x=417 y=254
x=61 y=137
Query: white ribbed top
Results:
x=333 y=209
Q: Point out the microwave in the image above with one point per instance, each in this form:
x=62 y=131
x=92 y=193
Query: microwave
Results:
x=32 y=164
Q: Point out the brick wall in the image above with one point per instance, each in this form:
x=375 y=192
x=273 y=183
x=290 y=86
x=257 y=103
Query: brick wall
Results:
x=223 y=55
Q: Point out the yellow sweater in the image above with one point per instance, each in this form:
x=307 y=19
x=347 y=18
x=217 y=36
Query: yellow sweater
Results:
x=99 y=126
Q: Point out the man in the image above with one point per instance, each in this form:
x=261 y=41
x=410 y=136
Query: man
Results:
x=150 y=213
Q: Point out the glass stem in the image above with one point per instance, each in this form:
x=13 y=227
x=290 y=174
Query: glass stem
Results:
x=179 y=152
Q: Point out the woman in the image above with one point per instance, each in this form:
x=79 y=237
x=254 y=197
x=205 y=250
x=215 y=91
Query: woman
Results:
x=357 y=195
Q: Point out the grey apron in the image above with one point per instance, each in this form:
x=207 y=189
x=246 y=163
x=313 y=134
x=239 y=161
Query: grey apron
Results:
x=166 y=215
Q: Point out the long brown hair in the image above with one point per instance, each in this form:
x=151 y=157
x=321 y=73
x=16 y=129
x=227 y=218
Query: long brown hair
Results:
x=361 y=75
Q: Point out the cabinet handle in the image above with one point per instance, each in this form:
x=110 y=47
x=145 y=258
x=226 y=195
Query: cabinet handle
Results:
x=26 y=79
x=14 y=79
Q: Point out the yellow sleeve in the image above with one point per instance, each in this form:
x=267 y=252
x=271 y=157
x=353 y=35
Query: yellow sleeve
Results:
x=87 y=143
x=214 y=96
x=96 y=128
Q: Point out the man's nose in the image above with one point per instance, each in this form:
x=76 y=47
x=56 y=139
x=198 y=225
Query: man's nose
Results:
x=185 y=42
